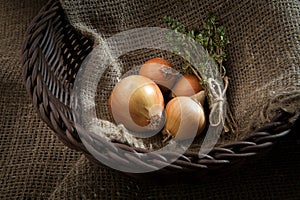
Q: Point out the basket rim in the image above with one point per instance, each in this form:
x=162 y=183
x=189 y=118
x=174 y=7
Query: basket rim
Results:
x=52 y=110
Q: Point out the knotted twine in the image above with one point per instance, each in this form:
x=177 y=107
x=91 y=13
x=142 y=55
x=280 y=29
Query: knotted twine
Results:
x=218 y=99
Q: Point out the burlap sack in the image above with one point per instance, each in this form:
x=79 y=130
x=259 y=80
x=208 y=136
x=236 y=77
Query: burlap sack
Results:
x=263 y=56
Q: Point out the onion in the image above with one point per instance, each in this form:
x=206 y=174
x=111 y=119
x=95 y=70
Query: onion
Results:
x=160 y=71
x=185 y=117
x=187 y=85
x=138 y=104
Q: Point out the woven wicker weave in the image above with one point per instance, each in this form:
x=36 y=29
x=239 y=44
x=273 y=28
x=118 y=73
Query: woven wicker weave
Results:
x=52 y=54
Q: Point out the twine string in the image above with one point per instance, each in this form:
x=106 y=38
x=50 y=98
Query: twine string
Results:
x=218 y=99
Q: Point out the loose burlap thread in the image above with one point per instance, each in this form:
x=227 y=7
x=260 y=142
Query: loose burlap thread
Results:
x=263 y=54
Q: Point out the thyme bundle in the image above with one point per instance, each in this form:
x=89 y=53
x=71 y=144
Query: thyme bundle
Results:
x=214 y=40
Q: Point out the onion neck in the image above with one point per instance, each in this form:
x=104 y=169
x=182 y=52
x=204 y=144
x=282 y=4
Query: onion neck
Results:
x=155 y=116
x=199 y=97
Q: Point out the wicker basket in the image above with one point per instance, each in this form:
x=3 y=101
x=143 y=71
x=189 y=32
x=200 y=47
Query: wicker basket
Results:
x=52 y=54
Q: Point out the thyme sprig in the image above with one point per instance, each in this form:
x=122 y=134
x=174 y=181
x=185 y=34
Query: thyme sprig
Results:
x=213 y=38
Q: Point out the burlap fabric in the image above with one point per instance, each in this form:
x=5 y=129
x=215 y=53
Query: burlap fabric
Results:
x=263 y=56
x=34 y=164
